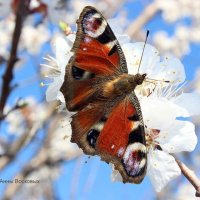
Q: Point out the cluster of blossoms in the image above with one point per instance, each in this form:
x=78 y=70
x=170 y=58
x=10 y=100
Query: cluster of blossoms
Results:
x=173 y=10
x=178 y=11
x=164 y=107
x=58 y=149
x=30 y=115
x=185 y=191
x=54 y=10
x=32 y=38
x=27 y=121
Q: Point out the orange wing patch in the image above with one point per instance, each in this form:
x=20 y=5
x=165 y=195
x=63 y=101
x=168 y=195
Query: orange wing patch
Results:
x=114 y=137
x=93 y=56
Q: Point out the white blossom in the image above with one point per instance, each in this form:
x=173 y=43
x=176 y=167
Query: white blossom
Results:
x=178 y=44
x=178 y=12
x=65 y=11
x=60 y=145
x=6 y=29
x=16 y=119
x=185 y=192
x=5 y=7
x=197 y=81
x=161 y=107
x=32 y=114
x=62 y=47
x=3 y=146
x=172 y=10
x=34 y=37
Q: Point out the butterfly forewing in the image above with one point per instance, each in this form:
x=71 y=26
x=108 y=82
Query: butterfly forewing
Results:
x=97 y=53
x=98 y=41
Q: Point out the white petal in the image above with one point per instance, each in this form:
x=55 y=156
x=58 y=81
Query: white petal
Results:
x=122 y=39
x=190 y=102
x=70 y=39
x=115 y=176
x=161 y=169
x=63 y=53
x=133 y=53
x=186 y=191
x=179 y=137
x=2 y=149
x=158 y=113
x=53 y=89
x=115 y=26
x=169 y=70
x=60 y=96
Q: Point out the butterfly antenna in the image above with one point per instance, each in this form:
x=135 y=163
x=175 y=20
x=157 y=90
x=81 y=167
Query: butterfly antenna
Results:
x=147 y=34
x=151 y=79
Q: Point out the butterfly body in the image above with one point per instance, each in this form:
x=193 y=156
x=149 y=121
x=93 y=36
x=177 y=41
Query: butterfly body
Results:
x=124 y=84
x=98 y=87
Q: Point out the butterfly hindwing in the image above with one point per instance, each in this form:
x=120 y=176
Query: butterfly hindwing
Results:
x=117 y=136
x=97 y=53
x=86 y=127
x=122 y=140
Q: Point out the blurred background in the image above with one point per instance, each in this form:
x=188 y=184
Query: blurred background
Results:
x=34 y=138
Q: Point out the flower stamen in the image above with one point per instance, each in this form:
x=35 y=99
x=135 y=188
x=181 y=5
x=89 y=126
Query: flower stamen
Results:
x=42 y=84
x=151 y=135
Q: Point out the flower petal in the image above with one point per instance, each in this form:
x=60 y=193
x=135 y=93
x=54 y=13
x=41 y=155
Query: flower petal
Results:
x=161 y=169
x=115 y=176
x=122 y=39
x=133 y=53
x=53 y=89
x=190 y=102
x=60 y=96
x=63 y=54
x=169 y=70
x=179 y=137
x=158 y=113
x=186 y=191
x=62 y=50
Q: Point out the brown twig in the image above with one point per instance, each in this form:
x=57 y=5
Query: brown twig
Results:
x=14 y=108
x=40 y=160
x=21 y=13
x=190 y=175
x=24 y=140
x=113 y=7
x=149 y=12
x=14 y=148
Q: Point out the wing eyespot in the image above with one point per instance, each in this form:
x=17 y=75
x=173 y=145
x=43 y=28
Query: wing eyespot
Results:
x=134 y=117
x=80 y=74
x=77 y=73
x=92 y=137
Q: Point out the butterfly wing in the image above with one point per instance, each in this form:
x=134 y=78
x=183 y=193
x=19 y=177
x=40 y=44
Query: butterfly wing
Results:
x=111 y=128
x=97 y=53
x=118 y=137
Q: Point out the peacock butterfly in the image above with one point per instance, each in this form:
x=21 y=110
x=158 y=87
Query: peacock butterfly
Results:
x=108 y=120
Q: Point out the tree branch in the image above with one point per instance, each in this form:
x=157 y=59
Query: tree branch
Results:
x=35 y=164
x=190 y=175
x=21 y=13
x=149 y=12
x=24 y=139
